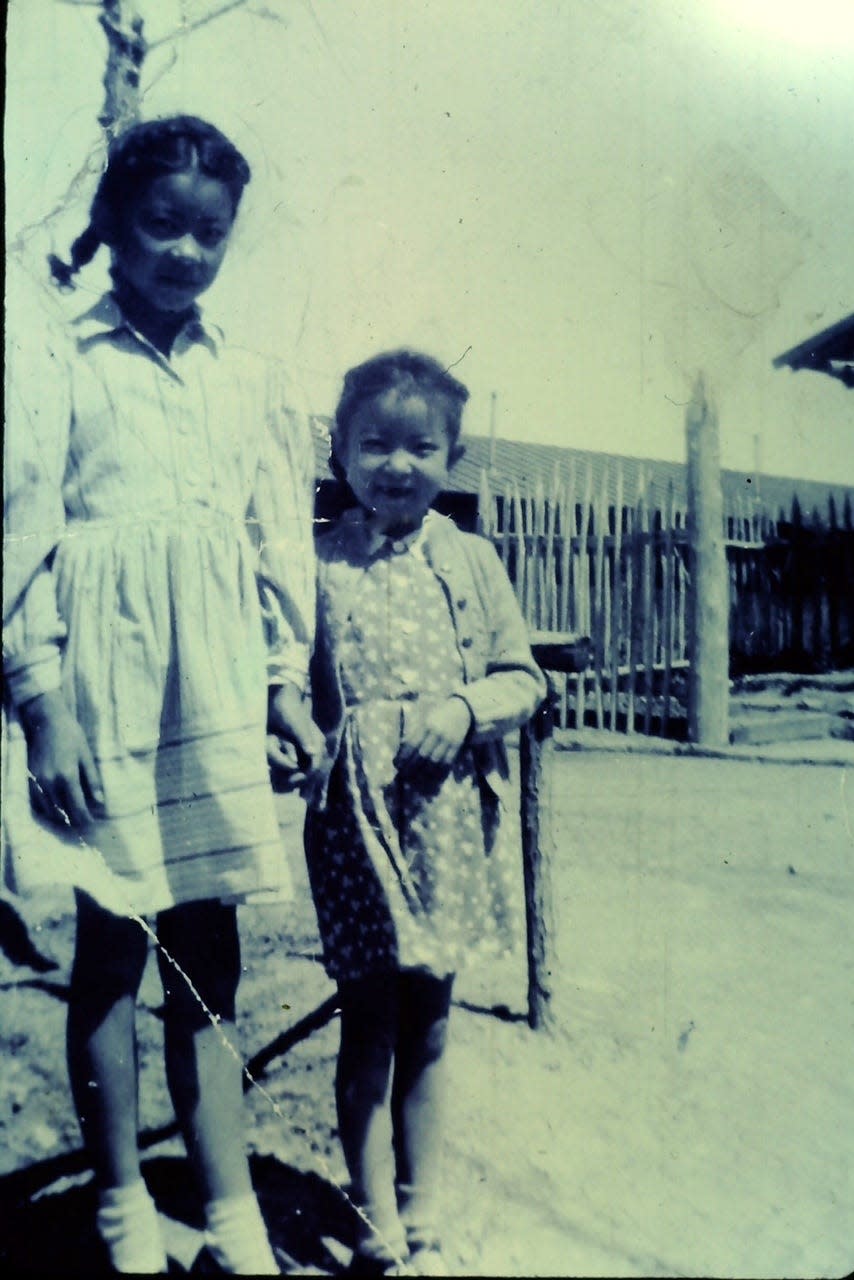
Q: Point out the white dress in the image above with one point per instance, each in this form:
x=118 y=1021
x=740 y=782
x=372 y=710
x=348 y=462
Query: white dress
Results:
x=158 y=567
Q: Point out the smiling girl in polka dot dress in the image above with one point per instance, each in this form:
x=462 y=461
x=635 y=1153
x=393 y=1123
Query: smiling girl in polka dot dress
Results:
x=422 y=666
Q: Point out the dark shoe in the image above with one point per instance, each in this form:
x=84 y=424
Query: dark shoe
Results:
x=365 y=1264
x=205 y=1264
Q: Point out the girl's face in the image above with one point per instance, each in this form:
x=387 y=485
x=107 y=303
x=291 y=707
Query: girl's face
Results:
x=397 y=455
x=173 y=239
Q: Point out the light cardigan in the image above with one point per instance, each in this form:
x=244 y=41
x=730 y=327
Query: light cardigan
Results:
x=502 y=684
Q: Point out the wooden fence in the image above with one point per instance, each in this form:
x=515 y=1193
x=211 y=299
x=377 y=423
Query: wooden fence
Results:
x=623 y=582
x=615 y=567
x=792 y=590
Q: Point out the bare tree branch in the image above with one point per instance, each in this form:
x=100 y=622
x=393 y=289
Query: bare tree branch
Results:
x=264 y=11
x=92 y=165
x=123 y=26
x=181 y=32
x=164 y=70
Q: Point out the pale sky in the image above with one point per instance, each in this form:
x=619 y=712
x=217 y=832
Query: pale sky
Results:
x=580 y=201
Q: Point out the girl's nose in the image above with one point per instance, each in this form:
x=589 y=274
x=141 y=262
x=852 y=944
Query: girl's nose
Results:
x=399 y=460
x=187 y=249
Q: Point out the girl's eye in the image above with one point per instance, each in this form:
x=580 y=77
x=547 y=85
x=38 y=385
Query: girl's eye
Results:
x=160 y=226
x=426 y=449
x=210 y=237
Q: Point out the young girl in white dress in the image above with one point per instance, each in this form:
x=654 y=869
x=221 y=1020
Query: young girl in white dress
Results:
x=159 y=612
x=422 y=666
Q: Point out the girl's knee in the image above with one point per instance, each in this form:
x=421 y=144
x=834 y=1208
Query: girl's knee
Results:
x=425 y=1009
x=109 y=954
x=434 y=1040
x=369 y=1031
x=363 y=1080
x=198 y=955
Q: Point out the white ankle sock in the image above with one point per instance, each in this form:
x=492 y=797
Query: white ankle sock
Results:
x=382 y=1236
x=418 y=1213
x=236 y=1237
x=127 y=1223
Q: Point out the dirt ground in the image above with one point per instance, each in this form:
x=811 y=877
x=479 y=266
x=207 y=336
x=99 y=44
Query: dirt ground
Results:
x=691 y=1114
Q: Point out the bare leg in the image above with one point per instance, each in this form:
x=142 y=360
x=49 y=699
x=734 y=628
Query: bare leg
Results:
x=369 y=1008
x=418 y=1101
x=109 y=960
x=205 y=1077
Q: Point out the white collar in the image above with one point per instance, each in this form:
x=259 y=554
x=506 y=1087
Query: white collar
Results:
x=106 y=318
x=376 y=540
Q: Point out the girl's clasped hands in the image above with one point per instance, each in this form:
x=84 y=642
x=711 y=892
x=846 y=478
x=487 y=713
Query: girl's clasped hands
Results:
x=434 y=733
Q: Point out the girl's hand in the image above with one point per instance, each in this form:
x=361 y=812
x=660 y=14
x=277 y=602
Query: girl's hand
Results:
x=295 y=745
x=65 y=787
x=438 y=735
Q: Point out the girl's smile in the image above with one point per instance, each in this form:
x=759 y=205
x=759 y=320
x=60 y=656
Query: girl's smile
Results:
x=397 y=455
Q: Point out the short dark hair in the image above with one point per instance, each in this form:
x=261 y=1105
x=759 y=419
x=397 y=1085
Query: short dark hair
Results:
x=405 y=371
x=135 y=159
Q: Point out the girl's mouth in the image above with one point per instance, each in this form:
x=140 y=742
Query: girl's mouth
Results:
x=394 y=491
x=173 y=281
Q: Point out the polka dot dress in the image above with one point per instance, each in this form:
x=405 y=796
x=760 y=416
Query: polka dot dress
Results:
x=404 y=864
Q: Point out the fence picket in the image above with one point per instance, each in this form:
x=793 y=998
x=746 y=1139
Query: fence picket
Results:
x=486 y=518
x=616 y=597
x=667 y=608
x=598 y=517
x=648 y=633
x=566 y=617
x=521 y=559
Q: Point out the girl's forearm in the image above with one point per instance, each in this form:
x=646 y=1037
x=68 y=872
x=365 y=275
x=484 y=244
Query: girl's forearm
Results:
x=41 y=709
x=502 y=700
x=33 y=674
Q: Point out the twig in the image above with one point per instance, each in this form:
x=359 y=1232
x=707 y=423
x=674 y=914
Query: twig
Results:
x=299 y=1031
x=180 y=32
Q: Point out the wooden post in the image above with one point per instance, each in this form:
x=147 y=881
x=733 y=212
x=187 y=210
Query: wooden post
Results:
x=535 y=742
x=554 y=651
x=708 y=639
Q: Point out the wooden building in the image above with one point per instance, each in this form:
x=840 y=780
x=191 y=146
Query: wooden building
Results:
x=831 y=351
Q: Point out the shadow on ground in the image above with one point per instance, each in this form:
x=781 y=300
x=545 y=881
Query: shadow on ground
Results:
x=53 y=1234
x=16 y=943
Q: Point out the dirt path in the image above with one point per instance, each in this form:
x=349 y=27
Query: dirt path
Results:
x=693 y=1113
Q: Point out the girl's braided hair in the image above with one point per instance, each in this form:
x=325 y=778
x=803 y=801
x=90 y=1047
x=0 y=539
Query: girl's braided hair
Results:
x=406 y=372
x=136 y=158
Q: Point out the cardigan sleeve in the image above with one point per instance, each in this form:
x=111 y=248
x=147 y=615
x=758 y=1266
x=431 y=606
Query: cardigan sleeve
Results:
x=38 y=415
x=281 y=516
x=513 y=685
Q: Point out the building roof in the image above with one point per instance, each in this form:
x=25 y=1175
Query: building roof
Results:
x=525 y=465
x=509 y=463
x=831 y=351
